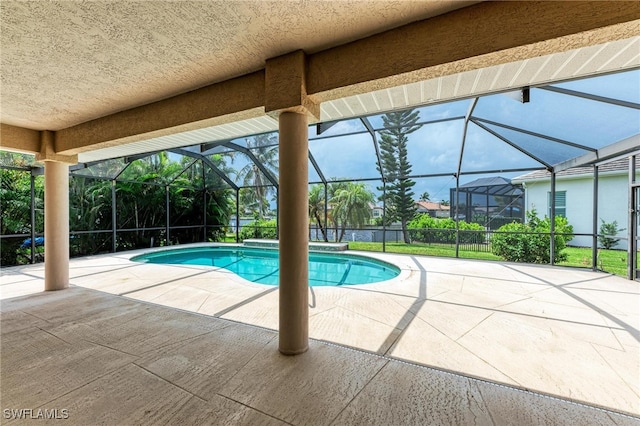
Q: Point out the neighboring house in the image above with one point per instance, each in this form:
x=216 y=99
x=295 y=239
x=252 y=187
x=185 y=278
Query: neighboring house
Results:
x=574 y=197
x=433 y=209
x=491 y=202
x=376 y=211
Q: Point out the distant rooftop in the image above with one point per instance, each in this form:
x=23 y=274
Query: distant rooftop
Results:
x=431 y=205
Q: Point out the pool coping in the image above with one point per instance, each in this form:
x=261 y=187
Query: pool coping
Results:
x=317 y=246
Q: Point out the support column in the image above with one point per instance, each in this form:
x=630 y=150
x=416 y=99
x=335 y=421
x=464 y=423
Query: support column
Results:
x=552 y=214
x=594 y=207
x=56 y=225
x=286 y=98
x=56 y=213
x=294 y=248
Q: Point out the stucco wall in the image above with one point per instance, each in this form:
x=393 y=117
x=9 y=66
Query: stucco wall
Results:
x=613 y=199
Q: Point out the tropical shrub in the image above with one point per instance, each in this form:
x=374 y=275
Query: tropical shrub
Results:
x=530 y=242
x=263 y=229
x=608 y=231
x=425 y=228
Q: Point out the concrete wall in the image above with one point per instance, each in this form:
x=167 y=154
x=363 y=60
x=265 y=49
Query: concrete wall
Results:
x=613 y=199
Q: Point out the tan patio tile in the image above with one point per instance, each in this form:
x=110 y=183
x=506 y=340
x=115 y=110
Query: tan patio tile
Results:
x=389 y=309
x=182 y=297
x=532 y=354
x=147 y=293
x=573 y=322
x=525 y=408
x=562 y=296
x=32 y=356
x=626 y=364
x=63 y=305
x=126 y=396
x=20 y=288
x=627 y=337
x=322 y=299
x=423 y=344
x=295 y=388
x=482 y=298
x=555 y=275
x=339 y=325
x=502 y=285
x=218 y=411
x=615 y=303
x=138 y=330
x=220 y=302
x=496 y=310
x=401 y=394
x=203 y=364
x=17 y=320
x=261 y=311
x=19 y=274
x=452 y=320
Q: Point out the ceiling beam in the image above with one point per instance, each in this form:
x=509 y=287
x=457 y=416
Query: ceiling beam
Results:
x=478 y=36
x=228 y=101
x=19 y=139
x=488 y=32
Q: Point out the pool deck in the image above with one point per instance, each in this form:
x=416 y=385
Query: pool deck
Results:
x=566 y=333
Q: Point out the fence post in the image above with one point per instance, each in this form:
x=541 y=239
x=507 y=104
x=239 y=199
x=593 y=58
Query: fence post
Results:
x=168 y=218
x=114 y=217
x=33 y=217
x=204 y=214
x=552 y=233
x=237 y=215
x=384 y=216
x=594 y=244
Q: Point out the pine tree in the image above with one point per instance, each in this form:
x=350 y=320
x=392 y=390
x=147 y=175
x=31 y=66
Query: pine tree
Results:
x=396 y=166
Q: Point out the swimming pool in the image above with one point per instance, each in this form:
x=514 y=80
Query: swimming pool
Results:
x=262 y=265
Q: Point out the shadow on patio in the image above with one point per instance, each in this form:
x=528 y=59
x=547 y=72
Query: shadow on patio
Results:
x=562 y=332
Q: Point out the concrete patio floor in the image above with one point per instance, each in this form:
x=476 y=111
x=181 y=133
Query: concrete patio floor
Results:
x=562 y=332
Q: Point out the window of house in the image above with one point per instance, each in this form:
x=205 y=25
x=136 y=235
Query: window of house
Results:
x=561 y=203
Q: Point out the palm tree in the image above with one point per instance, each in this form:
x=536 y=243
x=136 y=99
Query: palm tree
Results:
x=264 y=148
x=333 y=216
x=316 y=208
x=351 y=206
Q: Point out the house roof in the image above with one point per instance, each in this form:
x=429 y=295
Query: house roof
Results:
x=430 y=205
x=491 y=181
x=493 y=185
x=620 y=165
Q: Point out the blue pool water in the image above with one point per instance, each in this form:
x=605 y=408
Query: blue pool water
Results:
x=262 y=265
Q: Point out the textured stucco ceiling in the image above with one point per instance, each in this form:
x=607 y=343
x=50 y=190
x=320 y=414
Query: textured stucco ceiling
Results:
x=65 y=62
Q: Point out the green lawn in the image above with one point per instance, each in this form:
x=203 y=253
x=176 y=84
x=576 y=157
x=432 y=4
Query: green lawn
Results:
x=229 y=238
x=612 y=261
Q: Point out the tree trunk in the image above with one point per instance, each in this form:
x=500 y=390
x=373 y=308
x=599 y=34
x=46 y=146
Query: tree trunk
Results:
x=405 y=232
x=324 y=232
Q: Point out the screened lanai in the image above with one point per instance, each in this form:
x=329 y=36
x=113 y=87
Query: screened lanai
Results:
x=90 y=81
x=494 y=137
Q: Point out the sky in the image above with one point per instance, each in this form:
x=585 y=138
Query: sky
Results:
x=435 y=148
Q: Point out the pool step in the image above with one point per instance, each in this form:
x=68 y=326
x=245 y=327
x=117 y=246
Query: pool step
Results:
x=314 y=246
